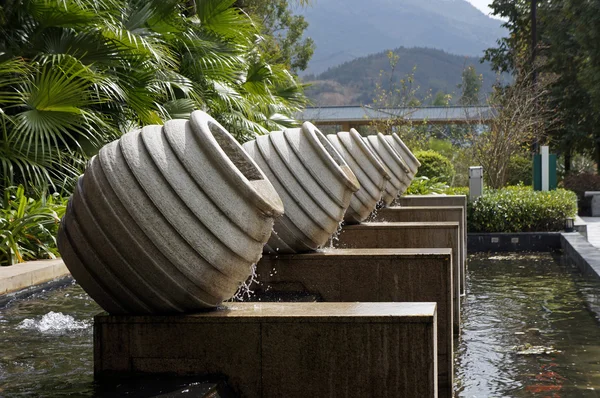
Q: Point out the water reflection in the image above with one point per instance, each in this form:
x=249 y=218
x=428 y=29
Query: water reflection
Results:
x=529 y=329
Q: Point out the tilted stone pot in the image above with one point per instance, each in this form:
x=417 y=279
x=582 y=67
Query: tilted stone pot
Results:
x=398 y=170
x=409 y=158
x=168 y=219
x=313 y=181
x=368 y=170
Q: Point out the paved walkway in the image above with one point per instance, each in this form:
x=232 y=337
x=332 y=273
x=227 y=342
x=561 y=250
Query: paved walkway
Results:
x=20 y=276
x=593 y=230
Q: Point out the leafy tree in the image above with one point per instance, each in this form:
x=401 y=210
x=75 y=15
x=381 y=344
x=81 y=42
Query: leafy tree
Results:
x=568 y=56
x=75 y=74
x=283 y=32
x=441 y=99
x=470 y=87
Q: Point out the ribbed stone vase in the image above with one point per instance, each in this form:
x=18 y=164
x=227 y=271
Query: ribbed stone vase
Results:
x=313 y=181
x=409 y=158
x=394 y=164
x=168 y=219
x=368 y=170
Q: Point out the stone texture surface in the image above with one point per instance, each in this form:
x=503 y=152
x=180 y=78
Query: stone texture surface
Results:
x=30 y=273
x=313 y=181
x=368 y=170
x=409 y=158
x=168 y=219
x=394 y=164
x=282 y=349
x=426 y=214
x=409 y=235
x=371 y=275
x=439 y=200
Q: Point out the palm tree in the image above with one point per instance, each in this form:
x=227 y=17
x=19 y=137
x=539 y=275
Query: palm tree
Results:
x=75 y=74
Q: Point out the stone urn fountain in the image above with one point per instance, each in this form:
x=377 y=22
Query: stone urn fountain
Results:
x=168 y=219
x=394 y=164
x=409 y=158
x=313 y=181
x=368 y=170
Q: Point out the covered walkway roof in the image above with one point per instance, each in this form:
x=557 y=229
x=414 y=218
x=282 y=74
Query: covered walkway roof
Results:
x=364 y=115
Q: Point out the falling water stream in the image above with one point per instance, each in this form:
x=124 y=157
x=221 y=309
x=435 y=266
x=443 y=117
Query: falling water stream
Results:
x=531 y=328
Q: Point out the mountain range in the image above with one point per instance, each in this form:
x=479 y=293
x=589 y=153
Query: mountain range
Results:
x=344 y=30
x=432 y=71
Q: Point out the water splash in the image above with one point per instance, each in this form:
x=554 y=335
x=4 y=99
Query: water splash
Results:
x=244 y=292
x=373 y=216
x=53 y=322
x=336 y=235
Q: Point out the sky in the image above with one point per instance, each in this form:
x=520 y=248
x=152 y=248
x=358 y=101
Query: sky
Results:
x=482 y=5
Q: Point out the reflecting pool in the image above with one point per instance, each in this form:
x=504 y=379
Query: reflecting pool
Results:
x=531 y=327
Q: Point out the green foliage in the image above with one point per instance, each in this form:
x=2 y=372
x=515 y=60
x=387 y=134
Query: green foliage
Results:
x=76 y=74
x=457 y=191
x=28 y=226
x=470 y=87
x=520 y=170
x=282 y=31
x=567 y=61
x=426 y=186
x=521 y=209
x=435 y=165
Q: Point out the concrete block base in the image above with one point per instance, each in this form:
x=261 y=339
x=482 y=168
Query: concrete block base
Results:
x=370 y=275
x=432 y=214
x=409 y=235
x=282 y=349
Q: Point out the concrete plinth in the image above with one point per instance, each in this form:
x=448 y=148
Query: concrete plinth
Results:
x=371 y=275
x=282 y=349
x=429 y=214
x=409 y=235
x=437 y=200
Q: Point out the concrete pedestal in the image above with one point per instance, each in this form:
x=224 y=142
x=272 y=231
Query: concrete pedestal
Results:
x=431 y=214
x=282 y=349
x=371 y=275
x=432 y=200
x=409 y=235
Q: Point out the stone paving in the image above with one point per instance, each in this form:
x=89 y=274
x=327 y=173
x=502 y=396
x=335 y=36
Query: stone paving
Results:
x=593 y=230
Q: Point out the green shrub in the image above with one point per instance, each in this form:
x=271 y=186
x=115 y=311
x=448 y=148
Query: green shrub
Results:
x=425 y=186
x=520 y=170
x=435 y=165
x=28 y=226
x=521 y=209
x=457 y=191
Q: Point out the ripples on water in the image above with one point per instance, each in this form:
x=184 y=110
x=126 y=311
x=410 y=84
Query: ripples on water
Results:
x=515 y=305
x=46 y=344
x=518 y=306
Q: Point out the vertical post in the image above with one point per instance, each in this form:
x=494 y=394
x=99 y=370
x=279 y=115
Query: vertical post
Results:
x=533 y=38
x=475 y=182
x=545 y=168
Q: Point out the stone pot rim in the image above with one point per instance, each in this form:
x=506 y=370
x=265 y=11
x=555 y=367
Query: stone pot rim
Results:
x=266 y=198
x=328 y=152
x=394 y=154
x=408 y=152
x=355 y=135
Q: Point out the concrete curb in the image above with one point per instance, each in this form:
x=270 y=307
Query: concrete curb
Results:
x=20 y=276
x=513 y=242
x=578 y=250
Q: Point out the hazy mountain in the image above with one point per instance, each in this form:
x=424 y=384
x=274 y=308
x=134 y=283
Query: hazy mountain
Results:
x=347 y=29
x=353 y=83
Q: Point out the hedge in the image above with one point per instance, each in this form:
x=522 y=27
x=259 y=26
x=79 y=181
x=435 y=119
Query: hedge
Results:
x=435 y=165
x=521 y=209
